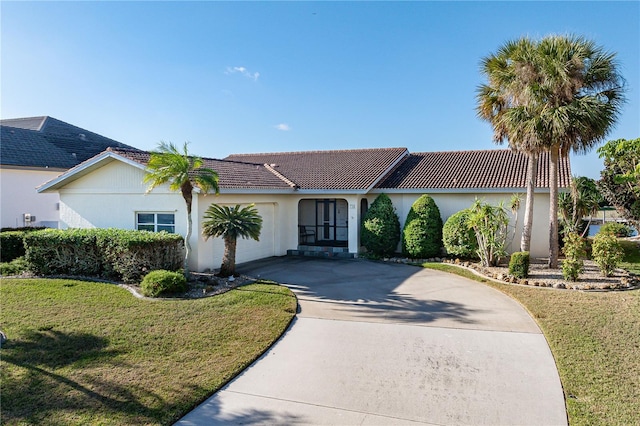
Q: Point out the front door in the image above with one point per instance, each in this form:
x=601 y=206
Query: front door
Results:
x=331 y=221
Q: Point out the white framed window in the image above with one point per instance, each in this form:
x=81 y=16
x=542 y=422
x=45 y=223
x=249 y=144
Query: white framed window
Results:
x=156 y=222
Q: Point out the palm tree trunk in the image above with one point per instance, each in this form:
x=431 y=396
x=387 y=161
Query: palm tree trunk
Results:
x=532 y=177
x=188 y=198
x=228 y=266
x=553 y=207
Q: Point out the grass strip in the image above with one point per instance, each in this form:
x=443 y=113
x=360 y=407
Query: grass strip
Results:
x=90 y=353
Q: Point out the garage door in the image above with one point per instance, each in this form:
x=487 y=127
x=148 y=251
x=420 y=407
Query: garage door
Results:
x=248 y=250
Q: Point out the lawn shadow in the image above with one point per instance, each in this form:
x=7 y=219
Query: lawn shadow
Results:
x=43 y=383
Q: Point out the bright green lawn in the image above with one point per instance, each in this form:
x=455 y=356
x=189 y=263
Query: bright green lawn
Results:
x=91 y=353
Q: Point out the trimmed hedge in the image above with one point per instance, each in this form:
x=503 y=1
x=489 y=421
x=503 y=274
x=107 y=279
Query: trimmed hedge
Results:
x=422 y=233
x=458 y=237
x=114 y=253
x=12 y=244
x=160 y=282
x=380 y=231
x=519 y=264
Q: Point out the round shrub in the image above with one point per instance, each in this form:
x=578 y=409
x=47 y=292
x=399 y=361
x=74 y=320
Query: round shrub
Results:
x=458 y=237
x=422 y=233
x=519 y=264
x=380 y=232
x=160 y=282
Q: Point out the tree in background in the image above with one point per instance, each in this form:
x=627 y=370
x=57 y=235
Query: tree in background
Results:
x=620 y=180
x=231 y=223
x=184 y=173
x=422 y=233
x=583 y=200
x=380 y=232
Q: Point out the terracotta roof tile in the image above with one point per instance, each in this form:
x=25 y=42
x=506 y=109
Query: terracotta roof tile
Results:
x=231 y=174
x=470 y=170
x=356 y=169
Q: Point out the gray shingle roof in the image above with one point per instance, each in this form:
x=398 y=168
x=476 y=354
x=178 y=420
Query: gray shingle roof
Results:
x=356 y=169
x=48 y=143
x=231 y=174
x=470 y=170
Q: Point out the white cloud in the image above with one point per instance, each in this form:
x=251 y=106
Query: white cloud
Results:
x=245 y=72
x=283 y=126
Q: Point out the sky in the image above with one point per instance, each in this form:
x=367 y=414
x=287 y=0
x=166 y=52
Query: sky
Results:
x=246 y=77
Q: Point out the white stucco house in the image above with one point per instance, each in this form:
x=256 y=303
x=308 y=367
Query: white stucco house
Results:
x=311 y=202
x=34 y=150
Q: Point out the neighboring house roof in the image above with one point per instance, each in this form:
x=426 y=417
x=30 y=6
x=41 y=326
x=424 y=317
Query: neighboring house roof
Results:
x=470 y=170
x=46 y=142
x=355 y=169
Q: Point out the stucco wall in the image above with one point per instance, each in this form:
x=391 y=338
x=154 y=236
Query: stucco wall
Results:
x=19 y=196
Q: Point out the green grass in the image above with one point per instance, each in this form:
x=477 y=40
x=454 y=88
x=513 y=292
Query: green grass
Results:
x=631 y=261
x=595 y=340
x=91 y=353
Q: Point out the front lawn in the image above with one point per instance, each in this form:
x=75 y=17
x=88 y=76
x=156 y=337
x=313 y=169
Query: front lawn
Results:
x=91 y=353
x=595 y=340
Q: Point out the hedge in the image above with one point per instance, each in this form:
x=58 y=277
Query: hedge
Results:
x=12 y=244
x=112 y=253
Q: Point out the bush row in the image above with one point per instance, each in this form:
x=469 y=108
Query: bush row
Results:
x=111 y=253
x=11 y=242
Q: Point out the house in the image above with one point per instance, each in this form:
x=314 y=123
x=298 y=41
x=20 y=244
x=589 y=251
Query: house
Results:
x=34 y=150
x=311 y=201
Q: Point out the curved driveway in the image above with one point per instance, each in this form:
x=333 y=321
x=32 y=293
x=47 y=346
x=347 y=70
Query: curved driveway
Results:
x=385 y=344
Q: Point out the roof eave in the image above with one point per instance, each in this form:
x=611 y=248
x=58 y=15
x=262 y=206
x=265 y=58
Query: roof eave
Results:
x=85 y=168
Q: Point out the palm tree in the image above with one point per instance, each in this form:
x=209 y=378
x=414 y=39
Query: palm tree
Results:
x=561 y=94
x=184 y=173
x=579 y=96
x=231 y=223
x=506 y=102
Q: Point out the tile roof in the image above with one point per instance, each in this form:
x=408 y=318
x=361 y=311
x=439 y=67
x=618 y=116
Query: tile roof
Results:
x=231 y=174
x=48 y=143
x=357 y=169
x=470 y=170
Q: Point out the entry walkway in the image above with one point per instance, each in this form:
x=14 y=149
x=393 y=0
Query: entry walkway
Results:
x=384 y=344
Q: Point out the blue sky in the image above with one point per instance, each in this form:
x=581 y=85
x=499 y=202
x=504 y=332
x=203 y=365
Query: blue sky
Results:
x=286 y=76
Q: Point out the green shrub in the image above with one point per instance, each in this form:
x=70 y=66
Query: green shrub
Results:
x=491 y=226
x=160 y=282
x=422 y=232
x=458 y=237
x=607 y=252
x=128 y=255
x=11 y=245
x=575 y=253
x=15 y=267
x=64 y=252
x=380 y=232
x=618 y=229
x=519 y=264
x=114 y=253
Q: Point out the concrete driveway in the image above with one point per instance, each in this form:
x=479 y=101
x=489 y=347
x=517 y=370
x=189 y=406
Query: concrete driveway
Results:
x=386 y=344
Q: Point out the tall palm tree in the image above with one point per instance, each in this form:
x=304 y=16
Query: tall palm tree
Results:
x=184 y=173
x=231 y=223
x=579 y=97
x=507 y=102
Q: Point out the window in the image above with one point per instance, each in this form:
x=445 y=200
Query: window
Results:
x=156 y=222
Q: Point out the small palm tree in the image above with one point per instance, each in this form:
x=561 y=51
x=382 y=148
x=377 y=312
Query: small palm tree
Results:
x=231 y=223
x=183 y=173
